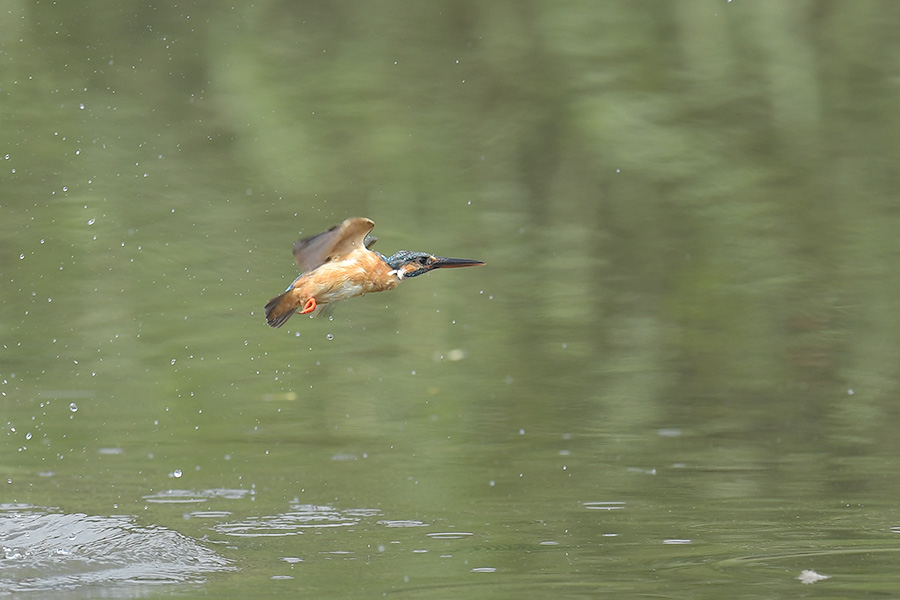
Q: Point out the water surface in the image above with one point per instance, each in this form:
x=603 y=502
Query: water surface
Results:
x=676 y=375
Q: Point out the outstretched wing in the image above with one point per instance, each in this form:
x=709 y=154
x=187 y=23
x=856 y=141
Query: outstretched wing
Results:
x=319 y=249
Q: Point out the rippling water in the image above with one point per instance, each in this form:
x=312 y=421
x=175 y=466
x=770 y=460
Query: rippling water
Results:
x=48 y=551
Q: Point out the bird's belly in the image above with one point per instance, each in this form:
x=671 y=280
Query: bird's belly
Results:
x=342 y=280
x=342 y=292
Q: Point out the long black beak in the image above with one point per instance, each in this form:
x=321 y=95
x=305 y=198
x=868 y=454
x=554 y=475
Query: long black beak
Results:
x=441 y=262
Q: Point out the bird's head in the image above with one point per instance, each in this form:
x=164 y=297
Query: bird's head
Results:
x=412 y=264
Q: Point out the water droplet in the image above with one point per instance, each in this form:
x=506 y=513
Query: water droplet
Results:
x=176 y=473
x=28 y=436
x=173 y=361
x=90 y=221
x=73 y=407
x=329 y=337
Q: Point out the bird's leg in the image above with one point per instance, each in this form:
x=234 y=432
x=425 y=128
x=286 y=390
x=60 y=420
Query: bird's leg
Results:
x=309 y=306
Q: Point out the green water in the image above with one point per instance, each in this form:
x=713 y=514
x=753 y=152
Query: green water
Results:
x=677 y=375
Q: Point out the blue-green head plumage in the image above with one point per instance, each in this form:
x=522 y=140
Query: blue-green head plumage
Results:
x=412 y=264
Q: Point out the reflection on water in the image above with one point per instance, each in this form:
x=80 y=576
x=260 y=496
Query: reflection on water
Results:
x=298 y=518
x=403 y=523
x=190 y=497
x=48 y=551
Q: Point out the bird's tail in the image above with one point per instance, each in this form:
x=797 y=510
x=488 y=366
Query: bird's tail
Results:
x=276 y=315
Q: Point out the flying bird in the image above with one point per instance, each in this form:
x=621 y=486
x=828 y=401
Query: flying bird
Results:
x=339 y=263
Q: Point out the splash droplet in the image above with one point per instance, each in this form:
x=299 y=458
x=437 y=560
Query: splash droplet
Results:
x=73 y=407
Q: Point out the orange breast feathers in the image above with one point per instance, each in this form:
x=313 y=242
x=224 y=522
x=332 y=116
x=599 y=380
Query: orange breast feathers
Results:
x=357 y=273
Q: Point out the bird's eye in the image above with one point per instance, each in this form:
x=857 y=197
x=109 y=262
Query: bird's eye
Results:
x=423 y=260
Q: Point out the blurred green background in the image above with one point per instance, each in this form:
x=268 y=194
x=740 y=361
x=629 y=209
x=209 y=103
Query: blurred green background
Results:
x=677 y=373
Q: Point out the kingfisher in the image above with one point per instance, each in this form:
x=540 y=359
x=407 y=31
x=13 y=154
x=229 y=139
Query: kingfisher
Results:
x=339 y=263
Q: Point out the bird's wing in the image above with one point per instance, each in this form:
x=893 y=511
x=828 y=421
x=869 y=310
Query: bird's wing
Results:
x=319 y=249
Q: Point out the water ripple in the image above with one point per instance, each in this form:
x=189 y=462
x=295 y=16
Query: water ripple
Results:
x=293 y=522
x=194 y=497
x=43 y=550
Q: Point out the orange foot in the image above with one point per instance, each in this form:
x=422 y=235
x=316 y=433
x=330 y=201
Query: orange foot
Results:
x=309 y=306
